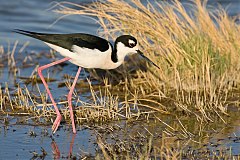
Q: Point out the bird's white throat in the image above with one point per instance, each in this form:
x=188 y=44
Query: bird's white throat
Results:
x=123 y=51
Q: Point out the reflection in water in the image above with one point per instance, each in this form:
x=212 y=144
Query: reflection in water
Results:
x=55 y=149
x=191 y=138
x=57 y=152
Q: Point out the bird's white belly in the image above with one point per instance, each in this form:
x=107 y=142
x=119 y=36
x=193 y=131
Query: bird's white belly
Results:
x=87 y=58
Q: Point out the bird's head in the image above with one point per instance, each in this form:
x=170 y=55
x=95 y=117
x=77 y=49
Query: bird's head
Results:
x=127 y=44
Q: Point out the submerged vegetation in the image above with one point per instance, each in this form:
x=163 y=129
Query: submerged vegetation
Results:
x=197 y=50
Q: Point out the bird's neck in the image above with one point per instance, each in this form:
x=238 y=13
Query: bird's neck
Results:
x=114 y=56
x=118 y=53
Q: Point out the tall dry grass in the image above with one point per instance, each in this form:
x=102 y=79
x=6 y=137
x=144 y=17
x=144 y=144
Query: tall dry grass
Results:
x=197 y=50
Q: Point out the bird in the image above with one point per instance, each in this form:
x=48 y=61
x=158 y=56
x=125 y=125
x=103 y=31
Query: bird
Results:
x=86 y=51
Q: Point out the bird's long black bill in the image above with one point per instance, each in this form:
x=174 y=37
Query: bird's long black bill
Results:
x=139 y=52
x=28 y=33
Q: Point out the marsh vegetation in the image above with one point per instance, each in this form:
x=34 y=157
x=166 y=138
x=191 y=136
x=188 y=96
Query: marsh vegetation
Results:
x=172 y=111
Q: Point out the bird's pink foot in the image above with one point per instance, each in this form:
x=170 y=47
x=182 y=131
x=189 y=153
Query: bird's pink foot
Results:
x=56 y=123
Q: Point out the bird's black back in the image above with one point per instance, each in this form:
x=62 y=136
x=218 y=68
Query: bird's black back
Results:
x=68 y=40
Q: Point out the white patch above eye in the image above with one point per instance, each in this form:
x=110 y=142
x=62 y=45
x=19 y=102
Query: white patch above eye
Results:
x=131 y=43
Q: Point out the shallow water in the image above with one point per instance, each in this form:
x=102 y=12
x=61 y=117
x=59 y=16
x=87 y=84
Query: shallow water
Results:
x=16 y=141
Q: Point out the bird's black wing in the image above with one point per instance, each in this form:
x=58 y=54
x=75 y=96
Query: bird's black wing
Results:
x=68 y=40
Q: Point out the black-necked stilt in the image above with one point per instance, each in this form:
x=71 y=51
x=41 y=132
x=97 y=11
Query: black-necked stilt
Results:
x=87 y=51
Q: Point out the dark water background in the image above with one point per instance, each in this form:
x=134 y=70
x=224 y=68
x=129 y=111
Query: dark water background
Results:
x=34 y=15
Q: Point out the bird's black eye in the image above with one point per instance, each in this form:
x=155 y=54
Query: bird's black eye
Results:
x=132 y=45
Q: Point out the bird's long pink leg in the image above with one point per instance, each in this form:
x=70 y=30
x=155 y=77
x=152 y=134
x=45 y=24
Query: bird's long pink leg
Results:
x=59 y=117
x=70 y=99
